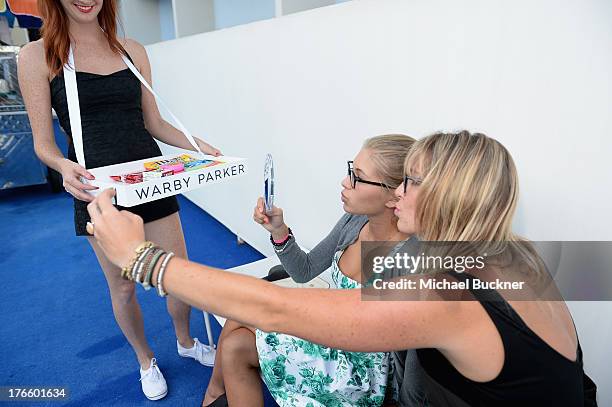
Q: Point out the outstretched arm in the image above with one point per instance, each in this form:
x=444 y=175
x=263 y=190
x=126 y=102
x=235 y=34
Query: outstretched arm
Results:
x=334 y=318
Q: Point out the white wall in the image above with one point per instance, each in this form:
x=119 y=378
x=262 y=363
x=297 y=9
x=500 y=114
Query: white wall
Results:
x=310 y=87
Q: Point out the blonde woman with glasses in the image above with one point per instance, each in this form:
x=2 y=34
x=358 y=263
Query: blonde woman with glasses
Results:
x=298 y=372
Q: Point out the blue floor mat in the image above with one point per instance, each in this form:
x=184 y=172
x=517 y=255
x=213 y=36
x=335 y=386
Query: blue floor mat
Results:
x=56 y=321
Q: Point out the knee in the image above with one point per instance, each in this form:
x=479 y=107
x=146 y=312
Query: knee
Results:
x=239 y=345
x=123 y=292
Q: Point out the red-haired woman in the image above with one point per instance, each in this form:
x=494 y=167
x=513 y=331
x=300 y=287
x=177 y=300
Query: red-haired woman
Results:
x=119 y=121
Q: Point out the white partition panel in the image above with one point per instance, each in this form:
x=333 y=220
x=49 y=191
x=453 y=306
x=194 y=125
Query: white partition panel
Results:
x=310 y=87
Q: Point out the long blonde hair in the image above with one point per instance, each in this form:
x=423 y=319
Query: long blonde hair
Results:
x=469 y=193
x=469 y=190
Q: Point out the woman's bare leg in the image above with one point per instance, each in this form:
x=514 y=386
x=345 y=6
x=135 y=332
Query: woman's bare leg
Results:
x=125 y=307
x=241 y=369
x=216 y=386
x=168 y=234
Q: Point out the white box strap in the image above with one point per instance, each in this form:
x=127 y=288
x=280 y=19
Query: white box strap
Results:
x=74 y=110
x=182 y=128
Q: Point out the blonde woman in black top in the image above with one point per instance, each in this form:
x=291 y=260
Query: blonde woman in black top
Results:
x=484 y=352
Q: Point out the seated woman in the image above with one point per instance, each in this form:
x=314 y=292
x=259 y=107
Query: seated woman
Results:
x=488 y=351
x=311 y=373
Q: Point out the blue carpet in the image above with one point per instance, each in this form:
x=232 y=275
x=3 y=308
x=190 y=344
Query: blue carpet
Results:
x=56 y=321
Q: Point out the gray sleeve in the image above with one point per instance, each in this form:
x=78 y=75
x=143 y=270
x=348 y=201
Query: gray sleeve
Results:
x=302 y=266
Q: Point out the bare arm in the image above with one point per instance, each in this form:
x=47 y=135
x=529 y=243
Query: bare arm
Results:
x=159 y=128
x=33 y=76
x=335 y=318
x=34 y=86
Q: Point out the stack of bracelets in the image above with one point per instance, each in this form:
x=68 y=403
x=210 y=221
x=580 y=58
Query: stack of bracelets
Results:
x=279 y=246
x=141 y=268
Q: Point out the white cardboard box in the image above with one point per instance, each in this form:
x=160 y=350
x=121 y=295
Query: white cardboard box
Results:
x=135 y=194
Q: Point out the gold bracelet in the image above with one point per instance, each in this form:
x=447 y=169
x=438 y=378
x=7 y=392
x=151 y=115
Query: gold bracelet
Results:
x=126 y=272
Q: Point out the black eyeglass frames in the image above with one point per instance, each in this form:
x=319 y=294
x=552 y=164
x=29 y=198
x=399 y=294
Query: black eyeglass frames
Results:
x=354 y=178
x=411 y=180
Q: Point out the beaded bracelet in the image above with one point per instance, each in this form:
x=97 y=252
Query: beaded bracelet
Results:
x=140 y=262
x=126 y=271
x=141 y=267
x=284 y=241
x=280 y=247
x=160 y=275
x=146 y=282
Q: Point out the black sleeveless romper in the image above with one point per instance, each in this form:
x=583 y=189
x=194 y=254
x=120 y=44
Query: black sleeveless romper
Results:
x=533 y=374
x=113 y=132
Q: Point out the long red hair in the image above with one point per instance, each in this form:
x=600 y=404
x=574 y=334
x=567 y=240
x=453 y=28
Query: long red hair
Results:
x=55 y=36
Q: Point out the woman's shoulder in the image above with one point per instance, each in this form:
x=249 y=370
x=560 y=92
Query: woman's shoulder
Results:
x=32 y=58
x=133 y=47
x=135 y=50
x=131 y=44
x=350 y=224
x=33 y=52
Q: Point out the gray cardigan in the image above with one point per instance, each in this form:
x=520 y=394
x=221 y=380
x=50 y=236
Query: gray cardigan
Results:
x=303 y=267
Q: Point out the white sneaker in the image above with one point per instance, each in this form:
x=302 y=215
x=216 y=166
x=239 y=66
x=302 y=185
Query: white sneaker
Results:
x=200 y=352
x=153 y=383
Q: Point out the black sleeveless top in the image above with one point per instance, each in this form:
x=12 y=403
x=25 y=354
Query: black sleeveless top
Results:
x=113 y=131
x=533 y=374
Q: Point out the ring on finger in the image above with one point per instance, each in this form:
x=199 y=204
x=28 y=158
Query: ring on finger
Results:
x=90 y=228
